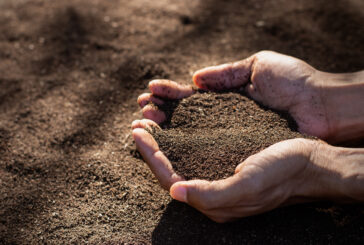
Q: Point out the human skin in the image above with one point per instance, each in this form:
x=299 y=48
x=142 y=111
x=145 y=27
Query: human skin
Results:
x=329 y=106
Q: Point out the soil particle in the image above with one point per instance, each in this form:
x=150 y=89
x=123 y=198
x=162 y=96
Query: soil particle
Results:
x=70 y=73
x=208 y=134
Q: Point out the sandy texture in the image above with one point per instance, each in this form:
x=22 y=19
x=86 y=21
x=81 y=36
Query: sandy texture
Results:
x=70 y=73
x=208 y=134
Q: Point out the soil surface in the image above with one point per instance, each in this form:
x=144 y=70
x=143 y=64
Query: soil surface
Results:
x=70 y=73
x=208 y=134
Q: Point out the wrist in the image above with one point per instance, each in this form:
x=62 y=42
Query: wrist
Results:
x=335 y=173
x=343 y=99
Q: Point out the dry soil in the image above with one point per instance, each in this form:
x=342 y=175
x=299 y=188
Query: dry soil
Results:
x=70 y=73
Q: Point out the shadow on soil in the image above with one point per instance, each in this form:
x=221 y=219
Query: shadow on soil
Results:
x=318 y=35
x=130 y=76
x=303 y=224
x=69 y=36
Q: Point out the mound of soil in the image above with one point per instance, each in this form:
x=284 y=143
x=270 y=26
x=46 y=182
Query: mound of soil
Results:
x=208 y=134
x=70 y=73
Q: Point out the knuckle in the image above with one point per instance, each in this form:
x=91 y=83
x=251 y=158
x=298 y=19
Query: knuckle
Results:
x=147 y=109
x=264 y=53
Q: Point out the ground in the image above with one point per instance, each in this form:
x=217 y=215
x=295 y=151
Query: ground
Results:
x=70 y=73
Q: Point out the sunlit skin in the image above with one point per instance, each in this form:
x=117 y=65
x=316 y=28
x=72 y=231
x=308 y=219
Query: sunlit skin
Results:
x=329 y=106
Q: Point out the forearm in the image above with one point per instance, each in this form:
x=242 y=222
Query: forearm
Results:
x=343 y=98
x=338 y=173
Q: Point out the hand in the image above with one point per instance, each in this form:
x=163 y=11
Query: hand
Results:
x=289 y=172
x=279 y=175
x=285 y=172
x=275 y=80
x=328 y=106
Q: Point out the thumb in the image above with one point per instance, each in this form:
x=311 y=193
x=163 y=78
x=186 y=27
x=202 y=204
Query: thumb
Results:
x=205 y=195
x=226 y=76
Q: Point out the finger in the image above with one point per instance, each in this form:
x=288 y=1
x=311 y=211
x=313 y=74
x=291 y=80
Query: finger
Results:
x=144 y=123
x=226 y=76
x=206 y=195
x=153 y=113
x=148 y=98
x=253 y=92
x=169 y=89
x=156 y=160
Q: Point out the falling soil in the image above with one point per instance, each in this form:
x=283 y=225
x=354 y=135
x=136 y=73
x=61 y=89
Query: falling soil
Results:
x=208 y=134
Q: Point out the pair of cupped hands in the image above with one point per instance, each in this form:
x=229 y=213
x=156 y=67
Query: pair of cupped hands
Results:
x=281 y=174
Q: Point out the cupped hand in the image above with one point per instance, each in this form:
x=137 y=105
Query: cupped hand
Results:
x=276 y=176
x=278 y=81
x=269 y=179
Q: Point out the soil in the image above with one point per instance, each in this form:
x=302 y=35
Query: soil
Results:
x=208 y=134
x=70 y=73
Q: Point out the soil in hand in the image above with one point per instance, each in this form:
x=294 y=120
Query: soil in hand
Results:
x=208 y=134
x=70 y=74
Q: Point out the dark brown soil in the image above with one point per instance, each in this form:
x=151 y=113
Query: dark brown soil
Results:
x=70 y=73
x=208 y=134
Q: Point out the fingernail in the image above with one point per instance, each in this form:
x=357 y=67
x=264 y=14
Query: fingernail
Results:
x=179 y=193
